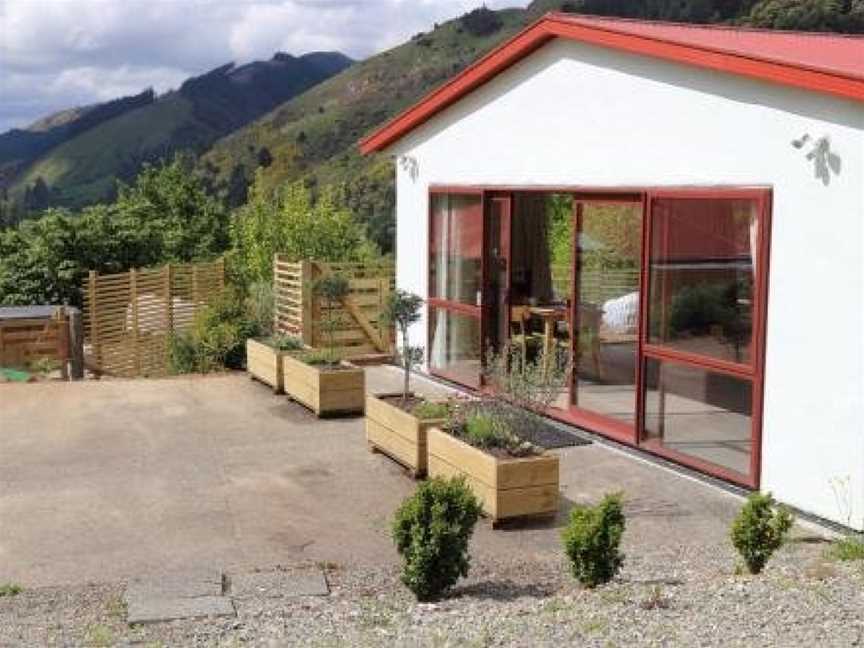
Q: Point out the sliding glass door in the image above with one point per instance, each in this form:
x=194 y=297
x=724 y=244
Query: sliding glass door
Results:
x=656 y=299
x=608 y=243
x=456 y=286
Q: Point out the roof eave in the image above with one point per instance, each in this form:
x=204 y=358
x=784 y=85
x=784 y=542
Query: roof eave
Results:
x=553 y=26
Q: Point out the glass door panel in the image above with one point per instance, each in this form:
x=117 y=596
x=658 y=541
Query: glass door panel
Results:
x=455 y=286
x=703 y=268
x=609 y=243
x=702 y=373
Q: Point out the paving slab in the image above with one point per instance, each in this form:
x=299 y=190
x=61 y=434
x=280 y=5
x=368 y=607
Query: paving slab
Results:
x=159 y=610
x=281 y=583
x=192 y=594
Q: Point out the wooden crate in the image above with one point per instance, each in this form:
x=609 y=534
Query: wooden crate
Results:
x=398 y=434
x=264 y=363
x=507 y=488
x=325 y=391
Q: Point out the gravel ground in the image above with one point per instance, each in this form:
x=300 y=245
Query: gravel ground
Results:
x=680 y=596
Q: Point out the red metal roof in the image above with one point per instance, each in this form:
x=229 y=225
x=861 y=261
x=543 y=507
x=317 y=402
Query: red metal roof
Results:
x=826 y=63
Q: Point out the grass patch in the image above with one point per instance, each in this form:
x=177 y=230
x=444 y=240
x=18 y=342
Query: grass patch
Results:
x=846 y=549
x=99 y=635
x=10 y=589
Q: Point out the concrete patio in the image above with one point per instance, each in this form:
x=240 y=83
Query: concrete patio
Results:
x=105 y=481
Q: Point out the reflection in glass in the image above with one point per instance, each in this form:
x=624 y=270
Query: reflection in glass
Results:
x=610 y=241
x=699 y=413
x=702 y=268
x=455 y=346
x=456 y=248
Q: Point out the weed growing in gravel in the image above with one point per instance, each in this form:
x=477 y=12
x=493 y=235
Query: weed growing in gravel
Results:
x=847 y=548
x=99 y=636
x=116 y=607
x=759 y=530
x=10 y=589
x=592 y=538
x=431 y=530
x=656 y=600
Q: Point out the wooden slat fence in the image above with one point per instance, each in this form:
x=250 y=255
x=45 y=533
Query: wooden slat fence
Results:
x=596 y=285
x=26 y=342
x=129 y=317
x=298 y=312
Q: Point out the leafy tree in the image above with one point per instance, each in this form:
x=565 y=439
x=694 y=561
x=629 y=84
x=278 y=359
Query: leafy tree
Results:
x=170 y=209
x=292 y=223
x=332 y=289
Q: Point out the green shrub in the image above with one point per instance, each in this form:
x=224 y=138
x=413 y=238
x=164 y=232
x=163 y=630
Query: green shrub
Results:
x=261 y=304
x=427 y=410
x=431 y=530
x=759 y=530
x=592 y=539
x=10 y=589
x=320 y=357
x=847 y=548
x=282 y=342
x=483 y=430
x=217 y=339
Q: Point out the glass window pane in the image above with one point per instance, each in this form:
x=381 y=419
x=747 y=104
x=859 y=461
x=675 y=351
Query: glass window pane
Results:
x=702 y=269
x=455 y=346
x=610 y=252
x=456 y=248
x=699 y=413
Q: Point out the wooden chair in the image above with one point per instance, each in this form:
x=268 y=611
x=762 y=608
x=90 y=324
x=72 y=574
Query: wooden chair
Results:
x=519 y=316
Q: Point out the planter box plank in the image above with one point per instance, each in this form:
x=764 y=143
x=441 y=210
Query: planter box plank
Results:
x=393 y=445
x=398 y=434
x=510 y=487
x=326 y=392
x=264 y=363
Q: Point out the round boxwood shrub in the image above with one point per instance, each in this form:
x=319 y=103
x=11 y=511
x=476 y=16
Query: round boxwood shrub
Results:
x=431 y=531
x=592 y=538
x=759 y=530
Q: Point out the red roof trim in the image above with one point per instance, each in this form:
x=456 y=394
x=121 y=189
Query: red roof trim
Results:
x=556 y=26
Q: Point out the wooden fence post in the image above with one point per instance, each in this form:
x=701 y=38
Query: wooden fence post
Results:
x=61 y=325
x=76 y=344
x=275 y=290
x=94 y=322
x=169 y=298
x=308 y=321
x=133 y=296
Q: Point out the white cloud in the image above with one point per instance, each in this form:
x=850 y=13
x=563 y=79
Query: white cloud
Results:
x=59 y=53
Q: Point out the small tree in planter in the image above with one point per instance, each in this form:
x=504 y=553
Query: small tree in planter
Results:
x=403 y=310
x=332 y=289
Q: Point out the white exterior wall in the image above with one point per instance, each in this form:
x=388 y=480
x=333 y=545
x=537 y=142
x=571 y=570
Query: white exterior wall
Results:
x=574 y=114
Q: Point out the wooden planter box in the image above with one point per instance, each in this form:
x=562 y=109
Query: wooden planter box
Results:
x=325 y=391
x=398 y=434
x=264 y=363
x=507 y=488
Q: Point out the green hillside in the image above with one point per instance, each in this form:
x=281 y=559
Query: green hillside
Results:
x=314 y=136
x=85 y=168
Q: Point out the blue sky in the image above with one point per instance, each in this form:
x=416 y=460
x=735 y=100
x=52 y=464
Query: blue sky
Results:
x=56 y=54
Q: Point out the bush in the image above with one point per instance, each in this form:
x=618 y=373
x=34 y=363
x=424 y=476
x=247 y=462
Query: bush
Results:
x=261 y=303
x=217 y=339
x=759 y=530
x=426 y=410
x=592 y=539
x=282 y=342
x=482 y=21
x=431 y=531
